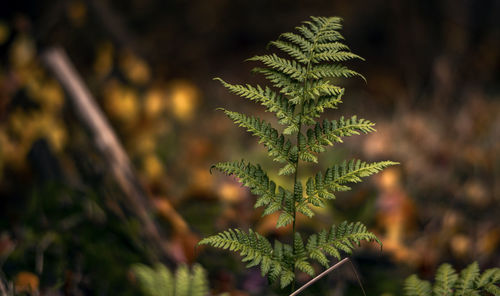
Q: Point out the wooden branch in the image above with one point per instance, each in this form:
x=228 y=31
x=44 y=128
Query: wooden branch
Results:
x=319 y=276
x=106 y=141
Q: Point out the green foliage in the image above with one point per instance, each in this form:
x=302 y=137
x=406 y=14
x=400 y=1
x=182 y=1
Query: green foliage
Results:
x=159 y=281
x=256 y=250
x=448 y=283
x=302 y=90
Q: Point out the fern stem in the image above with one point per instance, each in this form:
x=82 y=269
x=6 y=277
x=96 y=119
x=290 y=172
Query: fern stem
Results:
x=294 y=184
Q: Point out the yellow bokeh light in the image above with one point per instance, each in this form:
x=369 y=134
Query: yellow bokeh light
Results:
x=22 y=52
x=104 y=60
x=121 y=102
x=152 y=167
x=135 y=69
x=154 y=102
x=184 y=98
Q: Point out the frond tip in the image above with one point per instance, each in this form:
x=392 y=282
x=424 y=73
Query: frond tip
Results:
x=322 y=188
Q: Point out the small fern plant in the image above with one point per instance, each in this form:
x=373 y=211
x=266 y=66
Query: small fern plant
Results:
x=159 y=280
x=470 y=282
x=302 y=89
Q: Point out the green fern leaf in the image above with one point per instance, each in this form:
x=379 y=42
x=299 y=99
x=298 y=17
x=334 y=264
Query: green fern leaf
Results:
x=182 y=281
x=334 y=56
x=199 y=282
x=467 y=279
x=257 y=180
x=284 y=219
x=332 y=71
x=344 y=237
x=332 y=132
x=291 y=49
x=300 y=256
x=490 y=276
x=417 y=287
x=470 y=282
x=304 y=44
x=301 y=81
x=273 y=102
x=291 y=68
x=492 y=289
x=446 y=278
x=159 y=281
x=352 y=172
x=277 y=146
x=254 y=248
x=287 y=86
x=288 y=169
x=286 y=278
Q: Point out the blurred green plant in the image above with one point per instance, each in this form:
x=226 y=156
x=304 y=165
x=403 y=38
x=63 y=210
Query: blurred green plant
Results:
x=305 y=91
x=469 y=282
x=159 y=281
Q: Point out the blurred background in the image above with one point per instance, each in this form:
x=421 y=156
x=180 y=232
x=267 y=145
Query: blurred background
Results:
x=70 y=225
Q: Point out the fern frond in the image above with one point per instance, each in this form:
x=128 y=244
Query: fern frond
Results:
x=268 y=98
x=466 y=282
x=291 y=49
x=334 y=56
x=303 y=80
x=351 y=172
x=284 y=83
x=276 y=144
x=492 y=289
x=332 y=71
x=199 y=281
x=304 y=153
x=300 y=256
x=490 y=276
x=256 y=250
x=446 y=278
x=182 y=281
x=304 y=44
x=332 y=131
x=317 y=192
x=253 y=177
x=448 y=283
x=319 y=95
x=159 y=281
x=288 y=67
x=330 y=46
x=417 y=287
x=341 y=238
x=326 y=28
x=322 y=87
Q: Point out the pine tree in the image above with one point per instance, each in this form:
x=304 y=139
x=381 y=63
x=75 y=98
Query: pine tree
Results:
x=302 y=89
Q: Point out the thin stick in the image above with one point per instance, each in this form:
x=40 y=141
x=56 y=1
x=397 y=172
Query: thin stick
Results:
x=357 y=277
x=106 y=141
x=320 y=276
